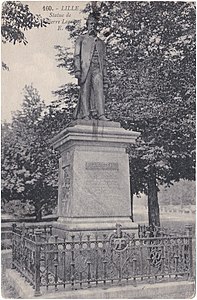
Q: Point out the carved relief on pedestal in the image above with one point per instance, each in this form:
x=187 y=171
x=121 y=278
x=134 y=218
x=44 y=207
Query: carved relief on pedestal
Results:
x=64 y=189
x=67 y=156
x=66 y=183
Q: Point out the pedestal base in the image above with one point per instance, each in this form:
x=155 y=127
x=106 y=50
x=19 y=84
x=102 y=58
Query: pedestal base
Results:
x=90 y=226
x=94 y=224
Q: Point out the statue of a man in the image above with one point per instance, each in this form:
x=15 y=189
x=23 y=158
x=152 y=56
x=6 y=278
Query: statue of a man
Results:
x=90 y=70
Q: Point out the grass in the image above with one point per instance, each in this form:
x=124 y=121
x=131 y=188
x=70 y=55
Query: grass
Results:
x=7 y=290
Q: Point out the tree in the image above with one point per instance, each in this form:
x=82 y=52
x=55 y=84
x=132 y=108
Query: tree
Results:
x=151 y=70
x=181 y=193
x=160 y=103
x=16 y=18
x=29 y=165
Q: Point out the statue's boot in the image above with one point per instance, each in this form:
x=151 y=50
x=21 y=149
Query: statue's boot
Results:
x=103 y=118
x=86 y=118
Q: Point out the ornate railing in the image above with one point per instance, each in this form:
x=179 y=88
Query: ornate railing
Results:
x=80 y=261
x=155 y=231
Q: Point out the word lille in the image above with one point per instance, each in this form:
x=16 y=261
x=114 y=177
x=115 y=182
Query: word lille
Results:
x=69 y=7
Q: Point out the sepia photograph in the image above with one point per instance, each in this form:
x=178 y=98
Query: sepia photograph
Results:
x=98 y=149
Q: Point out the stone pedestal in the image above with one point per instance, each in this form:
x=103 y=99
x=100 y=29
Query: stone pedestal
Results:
x=94 y=186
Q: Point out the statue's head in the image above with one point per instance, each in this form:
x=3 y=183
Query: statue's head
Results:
x=92 y=23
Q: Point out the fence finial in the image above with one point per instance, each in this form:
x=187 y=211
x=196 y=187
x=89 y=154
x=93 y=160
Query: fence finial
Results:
x=118 y=230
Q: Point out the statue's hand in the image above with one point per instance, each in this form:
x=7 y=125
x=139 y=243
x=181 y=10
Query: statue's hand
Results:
x=105 y=85
x=78 y=74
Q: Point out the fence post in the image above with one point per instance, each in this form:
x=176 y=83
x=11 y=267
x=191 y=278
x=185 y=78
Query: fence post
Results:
x=56 y=261
x=13 y=245
x=37 y=264
x=189 y=234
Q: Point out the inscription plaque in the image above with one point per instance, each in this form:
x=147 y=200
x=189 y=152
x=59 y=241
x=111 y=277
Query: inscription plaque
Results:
x=101 y=166
x=106 y=184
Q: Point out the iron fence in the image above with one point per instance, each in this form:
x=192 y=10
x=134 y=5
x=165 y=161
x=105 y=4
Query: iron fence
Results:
x=80 y=260
x=156 y=231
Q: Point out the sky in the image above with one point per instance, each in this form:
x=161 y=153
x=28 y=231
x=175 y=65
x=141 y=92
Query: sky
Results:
x=35 y=62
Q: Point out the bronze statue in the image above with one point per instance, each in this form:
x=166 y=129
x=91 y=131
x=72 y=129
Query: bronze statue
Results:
x=90 y=70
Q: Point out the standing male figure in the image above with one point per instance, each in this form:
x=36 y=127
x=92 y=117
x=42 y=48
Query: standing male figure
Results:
x=90 y=70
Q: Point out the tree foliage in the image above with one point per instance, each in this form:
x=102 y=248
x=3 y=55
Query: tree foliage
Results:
x=29 y=165
x=17 y=18
x=181 y=193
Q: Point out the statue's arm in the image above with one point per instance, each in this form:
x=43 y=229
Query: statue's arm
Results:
x=77 y=57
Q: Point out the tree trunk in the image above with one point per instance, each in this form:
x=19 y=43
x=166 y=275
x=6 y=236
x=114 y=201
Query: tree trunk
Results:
x=153 y=204
x=38 y=211
x=132 y=208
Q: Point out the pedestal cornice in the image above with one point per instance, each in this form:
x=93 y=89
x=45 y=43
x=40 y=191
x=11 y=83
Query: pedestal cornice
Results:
x=95 y=132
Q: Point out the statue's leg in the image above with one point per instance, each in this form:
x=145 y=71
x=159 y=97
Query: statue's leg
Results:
x=93 y=107
x=85 y=96
x=97 y=82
